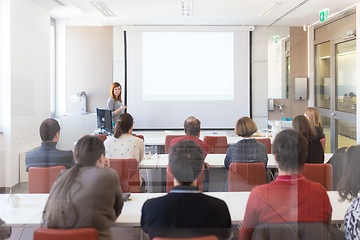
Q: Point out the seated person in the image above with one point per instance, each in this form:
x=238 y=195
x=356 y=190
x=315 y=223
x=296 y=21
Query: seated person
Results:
x=86 y=195
x=5 y=230
x=185 y=212
x=315 y=149
x=313 y=115
x=123 y=144
x=247 y=149
x=47 y=155
x=290 y=198
x=192 y=131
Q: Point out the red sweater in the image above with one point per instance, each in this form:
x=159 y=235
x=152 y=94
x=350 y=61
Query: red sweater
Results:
x=203 y=145
x=290 y=198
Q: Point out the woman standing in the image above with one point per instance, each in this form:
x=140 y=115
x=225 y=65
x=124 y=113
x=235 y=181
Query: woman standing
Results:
x=316 y=152
x=313 y=115
x=86 y=195
x=247 y=149
x=115 y=103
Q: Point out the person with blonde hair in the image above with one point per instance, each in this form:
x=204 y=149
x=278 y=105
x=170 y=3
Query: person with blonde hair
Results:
x=247 y=149
x=313 y=115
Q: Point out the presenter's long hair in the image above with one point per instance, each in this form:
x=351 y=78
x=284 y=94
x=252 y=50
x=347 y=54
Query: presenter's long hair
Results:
x=115 y=85
x=124 y=124
x=59 y=210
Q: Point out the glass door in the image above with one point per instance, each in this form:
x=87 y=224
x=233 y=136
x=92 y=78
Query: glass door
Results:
x=335 y=79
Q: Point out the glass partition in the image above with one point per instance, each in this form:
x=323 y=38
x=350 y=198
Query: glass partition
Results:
x=322 y=75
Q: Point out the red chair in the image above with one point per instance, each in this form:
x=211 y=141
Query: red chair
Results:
x=128 y=171
x=170 y=179
x=102 y=137
x=217 y=144
x=168 y=139
x=266 y=142
x=66 y=234
x=321 y=173
x=41 y=179
x=140 y=136
x=323 y=142
x=245 y=176
x=210 y=237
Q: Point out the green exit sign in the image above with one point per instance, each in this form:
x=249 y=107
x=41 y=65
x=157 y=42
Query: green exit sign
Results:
x=324 y=15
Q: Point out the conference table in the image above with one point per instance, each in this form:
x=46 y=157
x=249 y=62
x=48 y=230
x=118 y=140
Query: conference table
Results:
x=30 y=208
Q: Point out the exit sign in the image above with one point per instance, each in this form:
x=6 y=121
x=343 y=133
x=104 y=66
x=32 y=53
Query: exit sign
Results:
x=324 y=15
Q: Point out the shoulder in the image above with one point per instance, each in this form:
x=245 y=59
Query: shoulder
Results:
x=111 y=100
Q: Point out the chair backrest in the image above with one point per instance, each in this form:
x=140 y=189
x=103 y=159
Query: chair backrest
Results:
x=245 y=176
x=170 y=179
x=66 y=234
x=140 y=136
x=291 y=231
x=210 y=237
x=168 y=139
x=323 y=142
x=217 y=144
x=41 y=179
x=128 y=171
x=102 y=137
x=321 y=173
x=266 y=142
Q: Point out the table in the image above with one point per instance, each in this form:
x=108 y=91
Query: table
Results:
x=31 y=206
x=214 y=160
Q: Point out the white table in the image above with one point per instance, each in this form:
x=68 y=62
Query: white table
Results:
x=31 y=207
x=214 y=160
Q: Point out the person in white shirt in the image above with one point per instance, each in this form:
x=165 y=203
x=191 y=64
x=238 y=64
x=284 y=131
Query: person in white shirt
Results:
x=123 y=144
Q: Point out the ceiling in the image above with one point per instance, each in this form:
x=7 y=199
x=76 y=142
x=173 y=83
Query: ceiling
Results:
x=204 y=12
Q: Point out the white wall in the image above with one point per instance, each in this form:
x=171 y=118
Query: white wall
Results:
x=260 y=76
x=28 y=84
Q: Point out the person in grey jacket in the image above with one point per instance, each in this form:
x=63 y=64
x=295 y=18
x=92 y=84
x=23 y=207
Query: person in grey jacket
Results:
x=48 y=155
x=115 y=103
x=88 y=195
x=5 y=230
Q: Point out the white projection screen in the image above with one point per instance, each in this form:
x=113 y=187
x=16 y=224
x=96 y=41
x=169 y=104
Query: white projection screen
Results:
x=176 y=73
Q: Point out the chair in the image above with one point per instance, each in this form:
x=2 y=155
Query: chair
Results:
x=245 y=176
x=170 y=179
x=217 y=144
x=210 y=237
x=321 y=173
x=266 y=142
x=168 y=139
x=66 y=234
x=140 y=136
x=292 y=231
x=41 y=179
x=323 y=142
x=128 y=171
x=102 y=137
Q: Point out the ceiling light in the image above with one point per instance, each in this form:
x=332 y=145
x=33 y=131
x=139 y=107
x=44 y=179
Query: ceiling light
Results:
x=270 y=9
x=186 y=9
x=101 y=6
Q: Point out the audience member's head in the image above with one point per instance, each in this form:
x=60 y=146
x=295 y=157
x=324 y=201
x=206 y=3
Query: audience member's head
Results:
x=48 y=130
x=192 y=126
x=349 y=184
x=112 y=92
x=245 y=127
x=88 y=150
x=302 y=126
x=290 y=150
x=124 y=124
x=313 y=115
x=186 y=161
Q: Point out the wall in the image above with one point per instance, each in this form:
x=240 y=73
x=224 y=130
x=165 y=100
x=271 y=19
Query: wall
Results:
x=259 y=76
x=27 y=84
x=89 y=61
x=298 y=68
